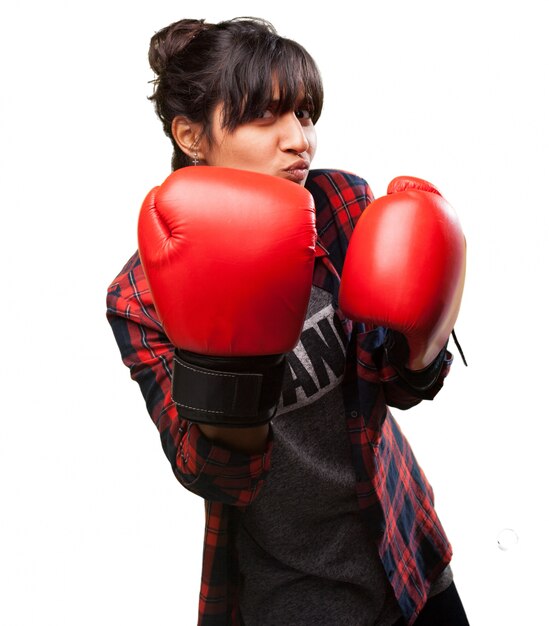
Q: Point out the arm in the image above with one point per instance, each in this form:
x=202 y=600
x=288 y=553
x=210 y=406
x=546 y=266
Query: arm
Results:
x=231 y=291
x=212 y=471
x=404 y=272
x=249 y=440
x=342 y=199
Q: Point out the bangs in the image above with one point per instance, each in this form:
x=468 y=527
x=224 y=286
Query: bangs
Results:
x=278 y=75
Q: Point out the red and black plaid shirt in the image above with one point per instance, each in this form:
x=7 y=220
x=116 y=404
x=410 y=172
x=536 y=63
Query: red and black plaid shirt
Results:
x=394 y=497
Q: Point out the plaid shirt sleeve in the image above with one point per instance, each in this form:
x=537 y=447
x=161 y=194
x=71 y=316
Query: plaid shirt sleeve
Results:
x=214 y=473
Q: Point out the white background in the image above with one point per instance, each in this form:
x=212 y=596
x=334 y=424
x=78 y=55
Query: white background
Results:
x=94 y=529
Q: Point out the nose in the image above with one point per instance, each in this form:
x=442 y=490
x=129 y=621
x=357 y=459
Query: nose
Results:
x=292 y=135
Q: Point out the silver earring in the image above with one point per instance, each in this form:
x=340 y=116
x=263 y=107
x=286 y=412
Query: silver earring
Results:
x=195 y=158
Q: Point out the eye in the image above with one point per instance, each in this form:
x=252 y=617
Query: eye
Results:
x=303 y=114
x=264 y=115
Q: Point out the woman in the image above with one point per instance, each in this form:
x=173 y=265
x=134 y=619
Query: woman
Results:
x=320 y=514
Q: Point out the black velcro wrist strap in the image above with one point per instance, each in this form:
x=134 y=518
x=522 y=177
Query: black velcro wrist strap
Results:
x=224 y=393
x=420 y=382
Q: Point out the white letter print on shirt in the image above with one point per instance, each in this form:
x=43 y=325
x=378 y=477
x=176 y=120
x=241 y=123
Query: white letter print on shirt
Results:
x=316 y=364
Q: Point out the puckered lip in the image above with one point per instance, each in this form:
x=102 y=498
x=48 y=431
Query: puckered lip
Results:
x=301 y=164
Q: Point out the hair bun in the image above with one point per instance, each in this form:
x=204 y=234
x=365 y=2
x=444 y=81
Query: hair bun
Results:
x=172 y=40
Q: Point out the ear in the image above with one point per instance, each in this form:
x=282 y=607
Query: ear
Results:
x=187 y=136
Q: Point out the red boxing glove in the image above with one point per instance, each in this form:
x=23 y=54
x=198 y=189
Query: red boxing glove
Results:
x=405 y=267
x=229 y=257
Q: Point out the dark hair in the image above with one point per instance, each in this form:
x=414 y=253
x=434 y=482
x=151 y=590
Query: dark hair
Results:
x=199 y=65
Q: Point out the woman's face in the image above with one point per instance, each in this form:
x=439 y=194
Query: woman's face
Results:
x=280 y=144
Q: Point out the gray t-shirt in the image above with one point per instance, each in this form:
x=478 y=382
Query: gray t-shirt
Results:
x=305 y=557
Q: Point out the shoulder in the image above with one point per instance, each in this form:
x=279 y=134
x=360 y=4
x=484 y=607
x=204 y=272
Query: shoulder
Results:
x=338 y=187
x=340 y=198
x=335 y=177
